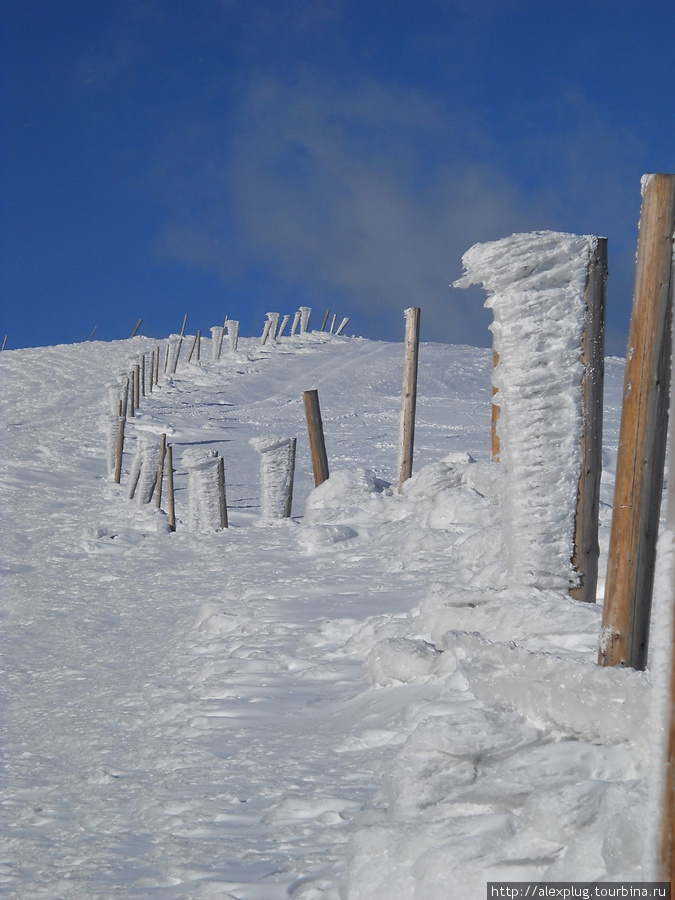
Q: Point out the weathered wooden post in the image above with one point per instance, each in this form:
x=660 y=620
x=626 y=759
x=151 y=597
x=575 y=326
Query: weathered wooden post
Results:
x=325 y=319
x=182 y=331
x=642 y=436
x=90 y=338
x=221 y=493
x=284 y=322
x=667 y=547
x=192 y=347
x=4 y=343
x=296 y=323
x=138 y=325
x=586 y=522
x=156 y=370
x=137 y=386
x=120 y=449
x=317 y=445
x=495 y=448
x=160 y=471
x=288 y=505
x=169 y=488
x=407 y=429
x=143 y=375
x=343 y=325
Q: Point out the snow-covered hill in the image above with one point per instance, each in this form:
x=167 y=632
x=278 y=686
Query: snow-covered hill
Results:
x=352 y=703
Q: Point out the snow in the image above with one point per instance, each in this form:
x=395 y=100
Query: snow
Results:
x=356 y=703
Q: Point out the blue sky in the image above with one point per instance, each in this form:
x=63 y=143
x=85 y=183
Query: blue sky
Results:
x=234 y=157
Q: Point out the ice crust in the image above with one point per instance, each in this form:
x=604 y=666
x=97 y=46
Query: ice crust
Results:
x=535 y=285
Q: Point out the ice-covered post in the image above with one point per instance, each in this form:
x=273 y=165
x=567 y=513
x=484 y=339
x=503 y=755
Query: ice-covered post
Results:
x=296 y=323
x=137 y=386
x=642 y=435
x=144 y=469
x=343 y=325
x=216 y=341
x=156 y=372
x=270 y=329
x=409 y=401
x=284 y=323
x=194 y=344
x=586 y=523
x=317 y=444
x=305 y=314
x=160 y=471
x=233 y=334
x=204 y=494
x=332 y=324
x=120 y=449
x=537 y=288
x=277 y=462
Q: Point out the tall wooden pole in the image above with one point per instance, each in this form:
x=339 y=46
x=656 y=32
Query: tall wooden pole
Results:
x=160 y=470
x=667 y=849
x=412 y=346
x=169 y=488
x=288 y=502
x=120 y=449
x=586 y=547
x=222 y=499
x=138 y=325
x=642 y=437
x=317 y=444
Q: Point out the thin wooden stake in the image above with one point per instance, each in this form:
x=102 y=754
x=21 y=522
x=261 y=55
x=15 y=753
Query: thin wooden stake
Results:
x=156 y=370
x=586 y=548
x=125 y=399
x=192 y=348
x=4 y=343
x=151 y=379
x=288 y=505
x=412 y=344
x=182 y=331
x=199 y=344
x=642 y=437
x=88 y=339
x=138 y=325
x=175 y=362
x=120 y=449
x=132 y=394
x=317 y=444
x=160 y=471
x=325 y=319
x=137 y=386
x=143 y=375
x=169 y=488
x=221 y=492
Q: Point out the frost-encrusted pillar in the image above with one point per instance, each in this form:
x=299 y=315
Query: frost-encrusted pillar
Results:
x=277 y=465
x=536 y=285
x=205 y=509
x=144 y=468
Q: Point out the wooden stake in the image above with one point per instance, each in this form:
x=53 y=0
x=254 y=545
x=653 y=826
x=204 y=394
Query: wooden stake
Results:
x=120 y=449
x=156 y=370
x=169 y=488
x=343 y=325
x=199 y=344
x=135 y=331
x=88 y=339
x=125 y=400
x=132 y=394
x=288 y=505
x=182 y=331
x=160 y=471
x=325 y=319
x=221 y=492
x=192 y=348
x=412 y=344
x=175 y=362
x=4 y=343
x=317 y=444
x=143 y=375
x=151 y=380
x=496 y=448
x=137 y=386
x=586 y=547
x=642 y=437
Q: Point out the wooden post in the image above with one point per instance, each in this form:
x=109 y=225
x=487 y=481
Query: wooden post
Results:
x=169 y=488
x=132 y=394
x=4 y=343
x=221 y=492
x=125 y=398
x=137 y=386
x=412 y=345
x=192 y=348
x=160 y=471
x=90 y=338
x=222 y=335
x=325 y=319
x=343 y=325
x=199 y=344
x=291 y=477
x=586 y=547
x=175 y=362
x=138 y=325
x=151 y=380
x=182 y=331
x=642 y=437
x=120 y=449
x=496 y=448
x=143 y=375
x=284 y=322
x=156 y=371
x=317 y=444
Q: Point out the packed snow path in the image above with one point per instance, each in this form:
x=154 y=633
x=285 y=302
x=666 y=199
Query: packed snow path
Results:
x=302 y=709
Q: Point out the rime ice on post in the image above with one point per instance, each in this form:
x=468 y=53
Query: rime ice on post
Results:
x=535 y=285
x=284 y=323
x=144 y=469
x=172 y=352
x=232 y=328
x=296 y=323
x=305 y=313
x=216 y=341
x=274 y=325
x=204 y=502
x=277 y=462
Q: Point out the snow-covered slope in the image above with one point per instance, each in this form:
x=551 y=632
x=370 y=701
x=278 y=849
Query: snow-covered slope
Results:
x=351 y=703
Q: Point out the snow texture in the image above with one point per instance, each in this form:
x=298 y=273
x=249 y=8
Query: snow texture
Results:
x=535 y=285
x=361 y=705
